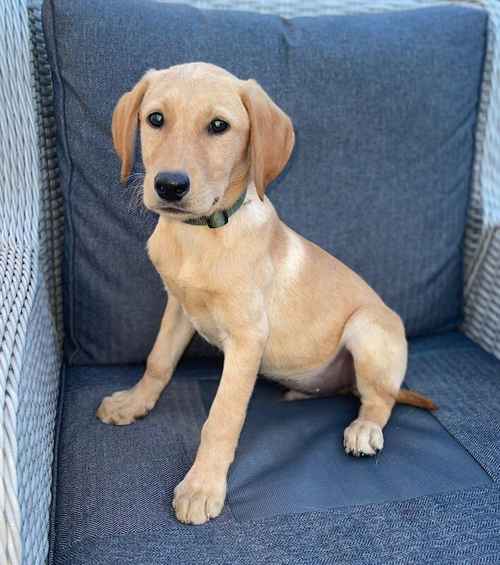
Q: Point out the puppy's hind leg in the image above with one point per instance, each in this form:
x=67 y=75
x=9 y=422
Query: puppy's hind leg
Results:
x=375 y=336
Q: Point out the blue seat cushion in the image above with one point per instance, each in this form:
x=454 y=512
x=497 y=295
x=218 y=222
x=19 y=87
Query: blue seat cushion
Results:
x=384 y=107
x=431 y=496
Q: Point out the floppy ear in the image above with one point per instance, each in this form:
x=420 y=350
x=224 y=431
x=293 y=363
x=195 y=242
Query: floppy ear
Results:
x=271 y=135
x=124 y=126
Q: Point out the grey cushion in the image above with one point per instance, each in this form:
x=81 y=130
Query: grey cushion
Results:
x=431 y=496
x=384 y=107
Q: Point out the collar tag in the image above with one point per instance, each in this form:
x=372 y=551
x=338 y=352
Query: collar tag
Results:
x=218 y=219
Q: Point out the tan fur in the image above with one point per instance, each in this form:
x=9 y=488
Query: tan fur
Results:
x=267 y=122
x=274 y=302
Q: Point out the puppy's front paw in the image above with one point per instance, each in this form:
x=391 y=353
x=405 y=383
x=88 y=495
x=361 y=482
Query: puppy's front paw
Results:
x=124 y=407
x=198 y=498
x=363 y=437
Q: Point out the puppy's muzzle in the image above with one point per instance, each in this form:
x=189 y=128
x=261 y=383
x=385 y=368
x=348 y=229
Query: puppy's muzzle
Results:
x=171 y=186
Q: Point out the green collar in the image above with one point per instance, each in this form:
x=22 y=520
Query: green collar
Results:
x=219 y=218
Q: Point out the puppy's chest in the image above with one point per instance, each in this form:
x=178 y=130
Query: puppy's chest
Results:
x=199 y=306
x=201 y=295
x=217 y=283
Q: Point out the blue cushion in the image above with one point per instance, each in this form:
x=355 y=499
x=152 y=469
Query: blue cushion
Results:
x=431 y=496
x=384 y=107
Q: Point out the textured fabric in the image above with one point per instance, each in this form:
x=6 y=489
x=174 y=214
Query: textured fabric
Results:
x=290 y=451
x=386 y=136
x=450 y=529
x=114 y=484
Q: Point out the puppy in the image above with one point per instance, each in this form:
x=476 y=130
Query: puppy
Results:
x=273 y=302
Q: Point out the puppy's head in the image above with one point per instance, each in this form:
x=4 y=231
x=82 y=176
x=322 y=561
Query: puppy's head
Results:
x=204 y=135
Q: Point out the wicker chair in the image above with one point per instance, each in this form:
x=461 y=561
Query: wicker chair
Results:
x=31 y=230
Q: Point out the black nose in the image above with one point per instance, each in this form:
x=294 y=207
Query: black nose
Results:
x=171 y=186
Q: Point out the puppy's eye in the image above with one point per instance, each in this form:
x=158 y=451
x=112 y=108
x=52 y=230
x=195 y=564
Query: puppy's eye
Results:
x=217 y=126
x=156 y=119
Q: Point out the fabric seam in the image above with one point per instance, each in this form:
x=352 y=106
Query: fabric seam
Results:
x=71 y=283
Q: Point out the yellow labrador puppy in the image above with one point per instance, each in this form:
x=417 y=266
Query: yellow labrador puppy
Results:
x=273 y=302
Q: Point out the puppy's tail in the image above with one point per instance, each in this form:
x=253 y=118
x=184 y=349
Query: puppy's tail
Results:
x=404 y=396
x=412 y=398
